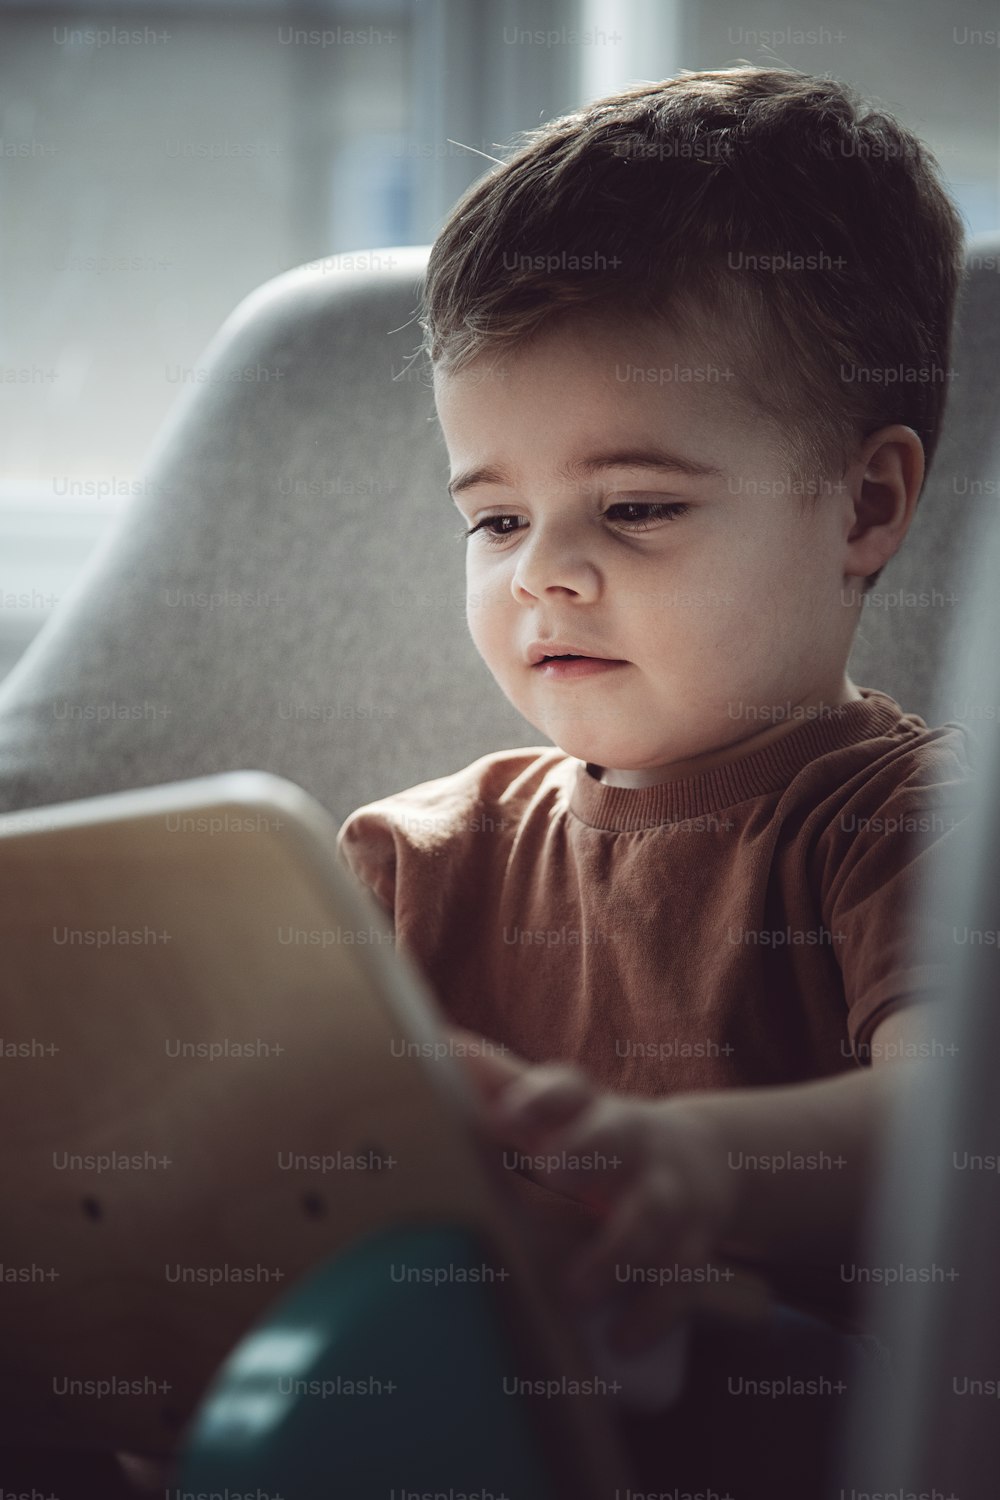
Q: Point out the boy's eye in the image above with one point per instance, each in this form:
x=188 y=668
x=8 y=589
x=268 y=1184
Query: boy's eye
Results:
x=658 y=511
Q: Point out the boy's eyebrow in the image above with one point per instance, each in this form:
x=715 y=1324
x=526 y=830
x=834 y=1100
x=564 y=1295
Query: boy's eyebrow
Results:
x=658 y=460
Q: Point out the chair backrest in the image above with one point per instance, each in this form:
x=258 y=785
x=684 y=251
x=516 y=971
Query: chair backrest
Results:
x=934 y=1232
x=287 y=593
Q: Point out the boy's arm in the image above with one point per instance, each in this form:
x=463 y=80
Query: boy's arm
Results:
x=803 y=1156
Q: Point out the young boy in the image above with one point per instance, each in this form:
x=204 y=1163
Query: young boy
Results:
x=690 y=349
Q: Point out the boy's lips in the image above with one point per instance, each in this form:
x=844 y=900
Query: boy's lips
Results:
x=539 y=650
x=577 y=666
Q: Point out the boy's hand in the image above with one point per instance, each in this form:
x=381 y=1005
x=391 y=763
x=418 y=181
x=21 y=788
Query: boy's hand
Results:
x=656 y=1175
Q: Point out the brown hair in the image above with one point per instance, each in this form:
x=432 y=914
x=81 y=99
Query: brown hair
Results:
x=812 y=229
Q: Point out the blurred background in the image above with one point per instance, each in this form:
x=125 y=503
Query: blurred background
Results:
x=159 y=159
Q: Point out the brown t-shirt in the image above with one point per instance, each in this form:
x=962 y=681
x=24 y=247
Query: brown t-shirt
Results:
x=750 y=925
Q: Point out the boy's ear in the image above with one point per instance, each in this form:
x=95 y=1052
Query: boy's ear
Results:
x=885 y=479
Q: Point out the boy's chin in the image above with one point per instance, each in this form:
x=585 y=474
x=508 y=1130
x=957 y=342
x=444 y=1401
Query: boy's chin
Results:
x=576 y=746
x=583 y=735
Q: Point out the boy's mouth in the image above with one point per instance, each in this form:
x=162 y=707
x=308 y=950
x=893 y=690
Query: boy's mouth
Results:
x=560 y=660
x=540 y=652
x=570 y=667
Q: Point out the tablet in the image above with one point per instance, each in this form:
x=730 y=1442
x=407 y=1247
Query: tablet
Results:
x=218 y=1072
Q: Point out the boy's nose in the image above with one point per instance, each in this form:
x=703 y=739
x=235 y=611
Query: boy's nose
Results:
x=544 y=567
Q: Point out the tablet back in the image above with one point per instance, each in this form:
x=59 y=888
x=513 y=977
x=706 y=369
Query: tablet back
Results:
x=219 y=1074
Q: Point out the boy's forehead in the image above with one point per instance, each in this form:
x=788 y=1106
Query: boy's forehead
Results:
x=596 y=371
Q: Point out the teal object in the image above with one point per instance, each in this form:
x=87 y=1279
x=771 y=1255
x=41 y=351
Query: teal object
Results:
x=378 y=1375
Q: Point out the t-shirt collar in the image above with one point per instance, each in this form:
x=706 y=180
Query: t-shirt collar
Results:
x=768 y=769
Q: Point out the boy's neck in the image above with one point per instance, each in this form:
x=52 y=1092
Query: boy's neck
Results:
x=712 y=759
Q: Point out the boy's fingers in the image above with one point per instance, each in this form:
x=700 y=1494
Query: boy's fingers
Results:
x=600 y=1150
x=632 y=1239
x=490 y=1065
x=545 y=1093
x=694 y=1282
x=543 y=1098
x=653 y=1290
x=521 y=1102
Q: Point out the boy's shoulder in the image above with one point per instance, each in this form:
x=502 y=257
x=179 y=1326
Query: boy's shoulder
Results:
x=411 y=830
x=905 y=761
x=501 y=784
x=885 y=811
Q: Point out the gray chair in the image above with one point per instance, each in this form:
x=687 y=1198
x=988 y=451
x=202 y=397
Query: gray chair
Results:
x=934 y=1228
x=287 y=593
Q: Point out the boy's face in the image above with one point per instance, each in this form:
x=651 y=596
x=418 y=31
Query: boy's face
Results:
x=723 y=616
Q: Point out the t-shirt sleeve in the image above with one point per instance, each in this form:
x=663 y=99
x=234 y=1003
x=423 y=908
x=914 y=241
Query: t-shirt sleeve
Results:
x=884 y=857
x=367 y=846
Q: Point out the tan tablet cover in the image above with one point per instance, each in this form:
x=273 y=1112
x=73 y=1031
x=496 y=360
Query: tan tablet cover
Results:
x=216 y=1072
